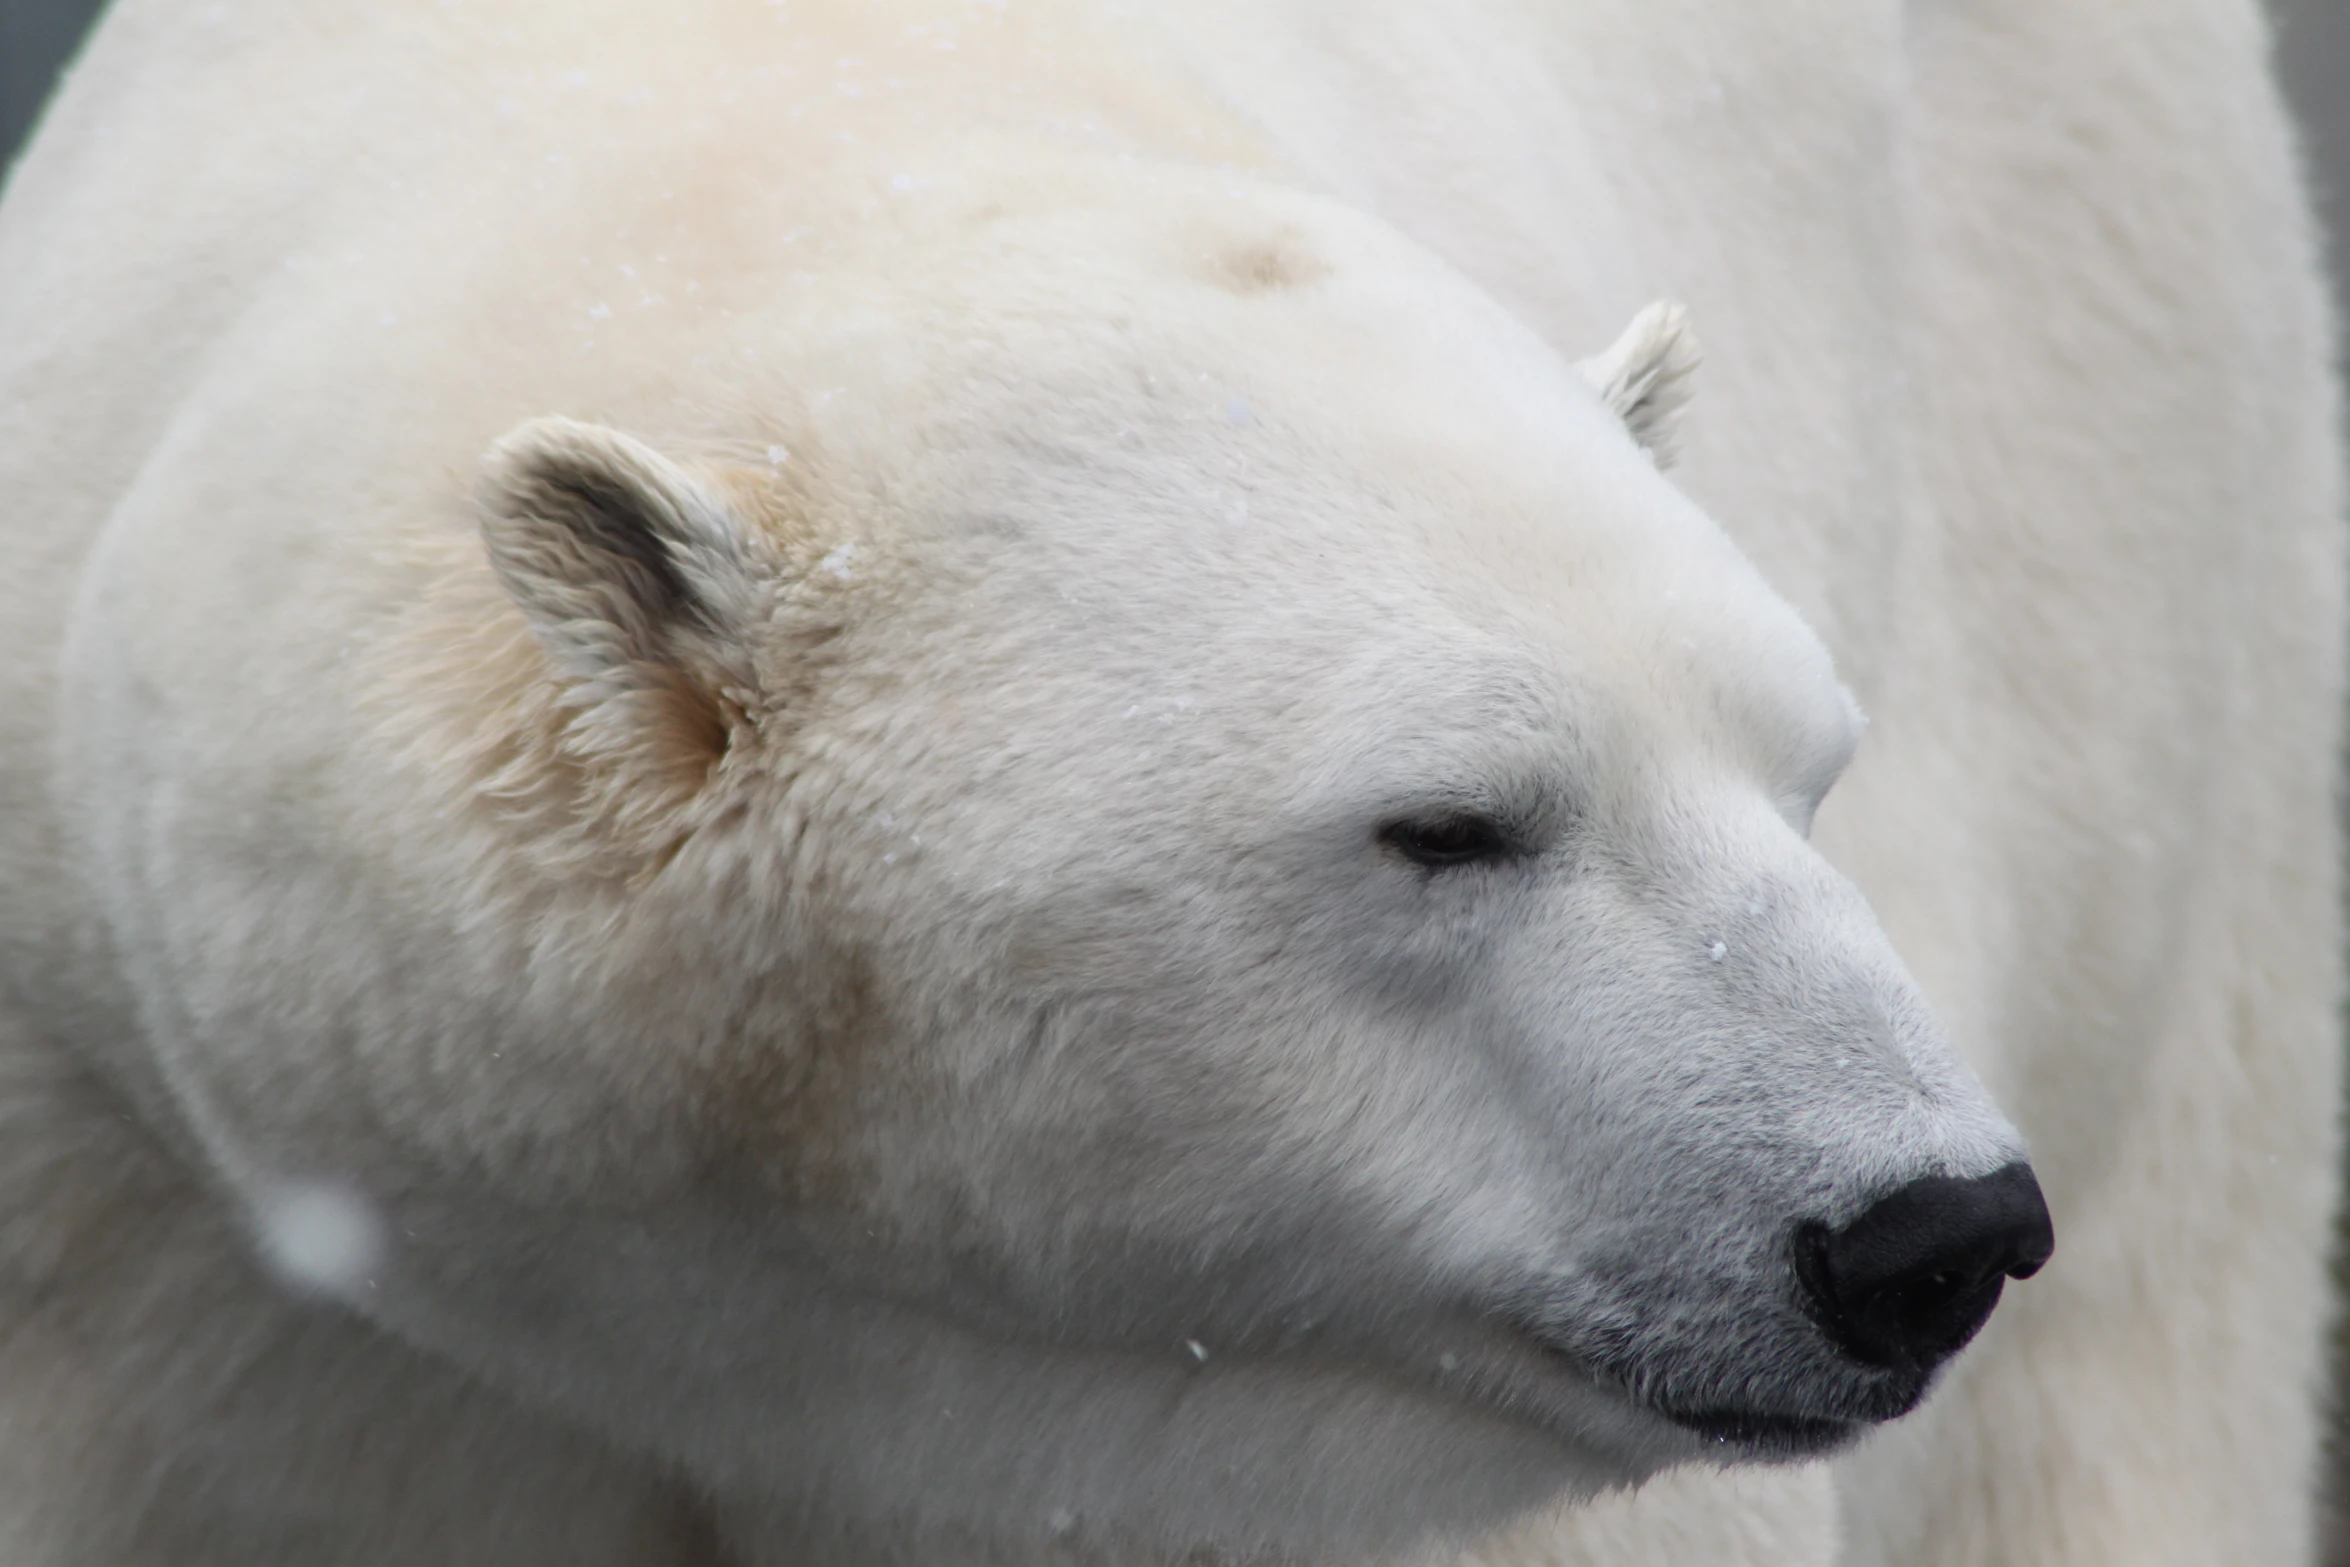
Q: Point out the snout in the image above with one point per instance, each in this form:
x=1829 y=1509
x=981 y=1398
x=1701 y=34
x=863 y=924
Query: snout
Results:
x=1795 y=1367
x=1910 y=1280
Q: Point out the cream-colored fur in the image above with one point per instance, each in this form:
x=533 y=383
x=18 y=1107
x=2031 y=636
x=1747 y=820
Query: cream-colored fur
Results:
x=357 y=872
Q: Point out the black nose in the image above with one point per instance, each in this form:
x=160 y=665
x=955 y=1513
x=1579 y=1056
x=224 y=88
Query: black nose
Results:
x=1909 y=1281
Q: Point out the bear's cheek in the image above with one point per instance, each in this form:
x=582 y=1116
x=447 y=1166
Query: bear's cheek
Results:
x=790 y=1102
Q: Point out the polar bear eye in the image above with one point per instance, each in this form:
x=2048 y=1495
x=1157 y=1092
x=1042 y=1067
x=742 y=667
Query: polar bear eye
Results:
x=1441 y=841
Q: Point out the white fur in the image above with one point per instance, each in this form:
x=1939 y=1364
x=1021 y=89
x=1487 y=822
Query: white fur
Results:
x=1644 y=376
x=827 y=1024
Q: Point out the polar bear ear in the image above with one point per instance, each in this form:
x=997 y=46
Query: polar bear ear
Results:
x=1644 y=376
x=634 y=570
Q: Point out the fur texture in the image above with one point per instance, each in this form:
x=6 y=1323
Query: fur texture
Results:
x=714 y=724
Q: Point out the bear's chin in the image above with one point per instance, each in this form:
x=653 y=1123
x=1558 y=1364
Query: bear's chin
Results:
x=831 y=1415
x=1276 y=1463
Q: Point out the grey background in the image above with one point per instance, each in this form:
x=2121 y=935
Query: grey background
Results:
x=2313 y=52
x=2313 y=55
x=35 y=38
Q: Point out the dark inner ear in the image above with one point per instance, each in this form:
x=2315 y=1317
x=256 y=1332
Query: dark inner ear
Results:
x=641 y=582
x=611 y=518
x=632 y=568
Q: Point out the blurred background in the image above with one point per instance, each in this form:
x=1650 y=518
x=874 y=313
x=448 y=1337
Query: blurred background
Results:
x=38 y=37
x=2313 y=55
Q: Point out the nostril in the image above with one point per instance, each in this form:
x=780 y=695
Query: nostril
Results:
x=1910 y=1280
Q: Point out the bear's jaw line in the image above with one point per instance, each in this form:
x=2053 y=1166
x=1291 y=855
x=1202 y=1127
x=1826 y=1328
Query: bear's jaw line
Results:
x=1789 y=1438
x=1739 y=1434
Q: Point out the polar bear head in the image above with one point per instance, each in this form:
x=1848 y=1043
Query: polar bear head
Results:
x=1171 y=909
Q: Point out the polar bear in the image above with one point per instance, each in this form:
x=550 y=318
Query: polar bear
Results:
x=937 y=782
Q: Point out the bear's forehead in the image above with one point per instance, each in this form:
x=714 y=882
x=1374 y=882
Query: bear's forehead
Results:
x=1345 y=634
x=1146 y=480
